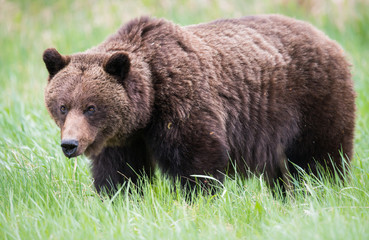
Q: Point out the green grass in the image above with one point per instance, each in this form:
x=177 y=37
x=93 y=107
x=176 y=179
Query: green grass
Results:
x=43 y=195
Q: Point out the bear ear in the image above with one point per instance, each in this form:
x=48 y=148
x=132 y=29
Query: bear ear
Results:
x=54 y=61
x=118 y=65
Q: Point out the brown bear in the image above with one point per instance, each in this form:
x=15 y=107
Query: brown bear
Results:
x=263 y=94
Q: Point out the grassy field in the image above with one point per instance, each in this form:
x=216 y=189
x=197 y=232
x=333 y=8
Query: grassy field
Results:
x=43 y=195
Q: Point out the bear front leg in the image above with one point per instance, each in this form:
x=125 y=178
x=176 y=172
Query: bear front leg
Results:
x=116 y=165
x=208 y=158
x=200 y=152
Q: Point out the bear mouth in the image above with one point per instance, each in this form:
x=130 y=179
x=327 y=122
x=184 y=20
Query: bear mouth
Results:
x=69 y=152
x=89 y=151
x=73 y=148
x=93 y=149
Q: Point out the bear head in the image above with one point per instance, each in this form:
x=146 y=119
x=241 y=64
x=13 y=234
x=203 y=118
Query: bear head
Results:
x=97 y=99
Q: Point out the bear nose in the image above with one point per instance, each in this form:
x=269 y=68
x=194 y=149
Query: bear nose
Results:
x=69 y=147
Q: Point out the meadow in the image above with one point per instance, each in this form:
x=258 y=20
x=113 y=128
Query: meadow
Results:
x=44 y=195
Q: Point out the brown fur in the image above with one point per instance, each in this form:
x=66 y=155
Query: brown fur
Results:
x=258 y=90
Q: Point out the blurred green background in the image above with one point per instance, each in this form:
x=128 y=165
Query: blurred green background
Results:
x=44 y=195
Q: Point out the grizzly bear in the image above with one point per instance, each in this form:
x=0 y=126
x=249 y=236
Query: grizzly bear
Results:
x=262 y=94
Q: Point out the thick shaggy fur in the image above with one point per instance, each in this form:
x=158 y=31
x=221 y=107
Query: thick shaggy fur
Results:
x=262 y=93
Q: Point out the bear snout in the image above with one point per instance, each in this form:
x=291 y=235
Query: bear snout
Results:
x=76 y=134
x=69 y=147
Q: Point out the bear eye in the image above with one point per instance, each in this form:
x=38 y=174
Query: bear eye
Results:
x=90 y=110
x=63 y=109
